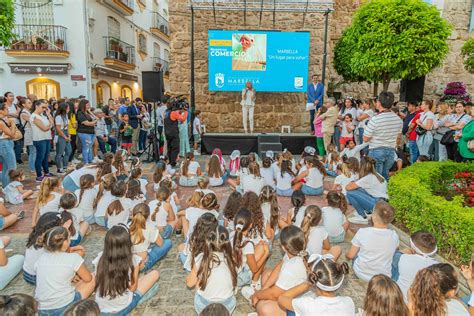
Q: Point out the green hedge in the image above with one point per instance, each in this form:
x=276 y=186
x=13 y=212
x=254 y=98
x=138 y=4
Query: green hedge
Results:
x=411 y=192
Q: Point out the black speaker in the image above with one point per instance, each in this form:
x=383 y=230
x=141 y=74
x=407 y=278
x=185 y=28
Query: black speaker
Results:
x=153 y=86
x=412 y=90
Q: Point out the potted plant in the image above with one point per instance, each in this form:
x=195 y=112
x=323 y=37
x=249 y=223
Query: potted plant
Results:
x=30 y=46
x=21 y=45
x=59 y=44
x=40 y=43
x=114 y=44
x=124 y=57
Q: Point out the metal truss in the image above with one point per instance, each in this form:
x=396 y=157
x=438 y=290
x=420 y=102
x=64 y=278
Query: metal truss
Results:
x=302 y=6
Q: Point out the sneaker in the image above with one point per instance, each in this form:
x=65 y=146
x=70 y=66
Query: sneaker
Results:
x=357 y=219
x=39 y=179
x=21 y=215
x=76 y=161
x=61 y=171
x=49 y=175
x=96 y=160
x=178 y=232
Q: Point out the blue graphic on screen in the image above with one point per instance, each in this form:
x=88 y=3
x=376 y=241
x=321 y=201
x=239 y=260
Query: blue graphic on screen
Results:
x=272 y=61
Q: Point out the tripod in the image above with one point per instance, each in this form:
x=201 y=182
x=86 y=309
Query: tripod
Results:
x=152 y=150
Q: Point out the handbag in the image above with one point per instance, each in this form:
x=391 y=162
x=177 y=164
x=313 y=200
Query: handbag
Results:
x=420 y=131
x=448 y=137
x=17 y=135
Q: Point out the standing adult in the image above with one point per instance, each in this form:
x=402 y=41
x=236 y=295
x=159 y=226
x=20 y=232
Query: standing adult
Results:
x=456 y=123
x=383 y=133
x=134 y=118
x=249 y=95
x=85 y=130
x=7 y=154
x=41 y=123
x=314 y=95
x=145 y=128
x=14 y=113
x=160 y=117
x=424 y=137
x=329 y=121
x=63 y=144
x=72 y=127
x=184 y=137
x=102 y=133
x=444 y=112
x=172 y=116
x=108 y=114
x=25 y=117
x=364 y=114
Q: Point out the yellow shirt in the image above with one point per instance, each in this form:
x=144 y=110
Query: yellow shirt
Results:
x=72 y=122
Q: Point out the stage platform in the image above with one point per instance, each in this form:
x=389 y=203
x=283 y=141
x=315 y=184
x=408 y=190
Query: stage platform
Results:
x=247 y=143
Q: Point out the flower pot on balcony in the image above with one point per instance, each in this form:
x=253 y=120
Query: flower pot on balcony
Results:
x=21 y=45
x=44 y=46
x=124 y=57
x=59 y=44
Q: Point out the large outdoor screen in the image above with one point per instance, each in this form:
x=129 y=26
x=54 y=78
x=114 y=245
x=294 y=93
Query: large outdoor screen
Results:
x=272 y=61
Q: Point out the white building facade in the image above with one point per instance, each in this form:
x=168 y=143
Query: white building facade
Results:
x=95 y=48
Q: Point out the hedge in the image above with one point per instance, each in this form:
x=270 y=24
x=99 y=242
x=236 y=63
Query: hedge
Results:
x=412 y=193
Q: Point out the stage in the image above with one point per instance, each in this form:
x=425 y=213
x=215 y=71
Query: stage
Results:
x=247 y=143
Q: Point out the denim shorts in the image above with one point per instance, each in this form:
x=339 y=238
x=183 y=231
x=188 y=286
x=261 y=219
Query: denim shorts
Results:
x=188 y=181
x=60 y=311
x=75 y=242
x=197 y=138
x=307 y=190
x=69 y=184
x=2 y=222
x=127 y=310
x=29 y=278
x=166 y=231
x=337 y=239
x=287 y=192
x=200 y=303
x=244 y=277
x=90 y=219
x=101 y=221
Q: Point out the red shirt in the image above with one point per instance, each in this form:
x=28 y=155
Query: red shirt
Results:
x=412 y=135
x=176 y=115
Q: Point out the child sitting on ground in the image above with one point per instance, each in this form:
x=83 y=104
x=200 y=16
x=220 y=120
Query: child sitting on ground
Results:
x=334 y=219
x=14 y=191
x=48 y=198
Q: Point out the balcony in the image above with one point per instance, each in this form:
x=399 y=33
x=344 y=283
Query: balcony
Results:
x=119 y=54
x=38 y=41
x=124 y=7
x=161 y=65
x=160 y=27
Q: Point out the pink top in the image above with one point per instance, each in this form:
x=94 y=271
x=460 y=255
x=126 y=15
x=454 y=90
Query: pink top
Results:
x=318 y=123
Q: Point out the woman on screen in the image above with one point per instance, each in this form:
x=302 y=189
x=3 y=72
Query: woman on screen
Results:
x=248 y=103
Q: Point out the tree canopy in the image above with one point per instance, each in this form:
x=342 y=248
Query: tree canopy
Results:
x=467 y=52
x=392 y=39
x=7 y=21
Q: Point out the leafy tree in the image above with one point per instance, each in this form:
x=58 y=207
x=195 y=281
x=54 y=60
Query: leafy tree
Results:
x=392 y=39
x=467 y=52
x=7 y=21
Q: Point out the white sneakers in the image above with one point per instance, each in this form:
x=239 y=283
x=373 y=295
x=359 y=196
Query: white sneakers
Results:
x=248 y=291
x=96 y=160
x=357 y=219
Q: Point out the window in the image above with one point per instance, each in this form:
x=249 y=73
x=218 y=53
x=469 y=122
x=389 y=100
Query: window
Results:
x=156 y=50
x=166 y=55
x=113 y=27
x=37 y=12
x=142 y=43
x=126 y=92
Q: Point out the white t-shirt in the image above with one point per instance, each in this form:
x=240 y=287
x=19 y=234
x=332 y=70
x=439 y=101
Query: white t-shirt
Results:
x=120 y=302
x=376 y=249
x=215 y=182
x=354 y=152
x=51 y=206
x=314 y=179
x=54 y=273
x=173 y=204
x=103 y=203
x=362 y=123
x=192 y=168
x=455 y=308
x=343 y=181
x=11 y=191
x=192 y=214
x=299 y=216
x=87 y=201
x=122 y=217
x=143 y=184
x=345 y=129
x=283 y=183
x=248 y=249
x=77 y=174
x=323 y=305
x=219 y=285
x=196 y=124
x=317 y=235
x=333 y=219
x=408 y=267
x=251 y=183
x=269 y=176
x=372 y=185
x=150 y=233
x=59 y=120
x=425 y=116
x=38 y=133
x=31 y=256
x=292 y=273
x=161 y=217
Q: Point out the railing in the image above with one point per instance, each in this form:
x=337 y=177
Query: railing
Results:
x=128 y=3
x=161 y=23
x=39 y=37
x=161 y=65
x=119 y=50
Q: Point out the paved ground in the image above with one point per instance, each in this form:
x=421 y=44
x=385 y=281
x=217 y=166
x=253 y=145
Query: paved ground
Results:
x=173 y=297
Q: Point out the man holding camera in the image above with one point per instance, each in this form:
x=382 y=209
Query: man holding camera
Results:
x=176 y=111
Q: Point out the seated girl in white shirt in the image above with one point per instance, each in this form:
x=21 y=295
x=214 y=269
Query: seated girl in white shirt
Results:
x=295 y=214
x=14 y=191
x=79 y=227
x=284 y=178
x=325 y=278
x=118 y=211
x=271 y=212
x=383 y=297
x=251 y=202
x=215 y=172
x=334 y=219
x=190 y=170
x=48 y=198
x=9 y=266
x=332 y=160
x=253 y=182
x=162 y=216
x=86 y=195
x=134 y=192
x=290 y=272
x=103 y=198
x=137 y=174
x=267 y=172
x=313 y=177
x=344 y=177
x=214 y=280
x=119 y=164
x=243 y=171
x=231 y=208
x=119 y=287
x=160 y=174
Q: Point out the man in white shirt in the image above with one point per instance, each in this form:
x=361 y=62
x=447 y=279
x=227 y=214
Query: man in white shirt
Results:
x=102 y=133
x=383 y=133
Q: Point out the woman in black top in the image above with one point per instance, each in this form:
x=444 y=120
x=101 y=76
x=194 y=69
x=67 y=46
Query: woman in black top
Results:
x=86 y=122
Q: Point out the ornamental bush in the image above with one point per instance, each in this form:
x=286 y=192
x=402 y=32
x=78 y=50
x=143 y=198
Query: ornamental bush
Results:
x=417 y=194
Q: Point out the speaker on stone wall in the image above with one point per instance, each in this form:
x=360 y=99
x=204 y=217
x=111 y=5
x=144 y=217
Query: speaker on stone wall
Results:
x=153 y=86
x=412 y=90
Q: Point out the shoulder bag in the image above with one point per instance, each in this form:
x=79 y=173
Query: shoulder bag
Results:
x=448 y=137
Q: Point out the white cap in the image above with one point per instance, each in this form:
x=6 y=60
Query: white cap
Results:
x=235 y=154
x=310 y=150
x=269 y=154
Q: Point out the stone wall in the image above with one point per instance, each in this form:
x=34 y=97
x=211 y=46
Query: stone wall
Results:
x=221 y=111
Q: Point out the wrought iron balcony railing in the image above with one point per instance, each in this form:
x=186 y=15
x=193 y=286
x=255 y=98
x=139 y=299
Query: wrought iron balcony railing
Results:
x=119 y=50
x=39 y=38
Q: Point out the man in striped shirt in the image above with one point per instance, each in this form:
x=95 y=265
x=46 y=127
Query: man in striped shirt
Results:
x=383 y=133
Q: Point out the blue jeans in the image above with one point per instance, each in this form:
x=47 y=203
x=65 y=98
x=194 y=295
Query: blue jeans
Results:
x=101 y=221
x=69 y=184
x=200 y=303
x=2 y=222
x=43 y=148
x=336 y=136
x=311 y=119
x=155 y=253
x=87 y=142
x=287 y=192
x=63 y=151
x=361 y=135
x=60 y=311
x=413 y=147
x=31 y=157
x=138 y=298
x=384 y=159
x=18 y=148
x=9 y=272
x=396 y=259
x=142 y=140
x=7 y=158
x=290 y=313
x=307 y=190
x=362 y=201
x=244 y=277
x=111 y=141
x=29 y=278
x=166 y=232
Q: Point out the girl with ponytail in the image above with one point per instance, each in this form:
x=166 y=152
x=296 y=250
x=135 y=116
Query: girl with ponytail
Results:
x=296 y=213
x=271 y=212
x=55 y=271
x=118 y=211
x=325 y=278
x=86 y=195
x=334 y=218
x=249 y=258
x=146 y=239
x=162 y=216
x=214 y=273
x=48 y=198
x=190 y=171
x=103 y=198
x=315 y=234
x=134 y=192
x=288 y=273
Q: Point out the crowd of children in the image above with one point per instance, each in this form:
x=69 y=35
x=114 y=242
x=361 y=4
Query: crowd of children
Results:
x=225 y=248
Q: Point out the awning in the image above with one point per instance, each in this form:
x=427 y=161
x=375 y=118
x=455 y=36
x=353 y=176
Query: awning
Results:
x=102 y=70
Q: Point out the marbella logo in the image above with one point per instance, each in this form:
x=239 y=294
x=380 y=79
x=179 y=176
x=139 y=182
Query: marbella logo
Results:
x=219 y=79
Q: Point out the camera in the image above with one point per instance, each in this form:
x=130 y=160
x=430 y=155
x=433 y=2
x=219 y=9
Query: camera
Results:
x=179 y=103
